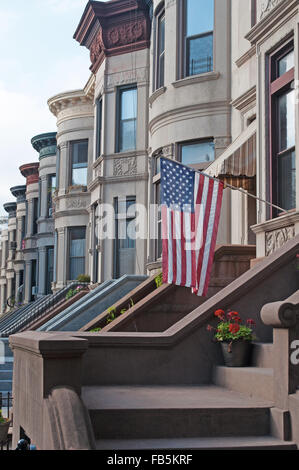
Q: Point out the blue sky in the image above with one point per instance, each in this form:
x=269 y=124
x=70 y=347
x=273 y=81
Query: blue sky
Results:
x=38 y=59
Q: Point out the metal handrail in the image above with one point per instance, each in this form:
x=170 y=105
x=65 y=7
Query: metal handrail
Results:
x=47 y=304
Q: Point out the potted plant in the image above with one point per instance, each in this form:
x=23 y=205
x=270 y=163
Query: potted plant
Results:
x=234 y=336
x=4 y=426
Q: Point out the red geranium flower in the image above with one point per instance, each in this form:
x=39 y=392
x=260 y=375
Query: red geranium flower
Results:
x=219 y=313
x=251 y=322
x=234 y=328
x=210 y=328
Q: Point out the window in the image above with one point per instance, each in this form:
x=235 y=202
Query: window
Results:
x=79 y=158
x=57 y=166
x=127 y=119
x=160 y=50
x=200 y=153
x=23 y=232
x=253 y=13
x=51 y=190
x=35 y=204
x=197 y=28
x=77 y=236
x=282 y=124
x=125 y=236
x=50 y=269
x=99 y=128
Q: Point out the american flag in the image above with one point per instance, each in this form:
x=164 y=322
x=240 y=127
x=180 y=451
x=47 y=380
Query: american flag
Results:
x=190 y=205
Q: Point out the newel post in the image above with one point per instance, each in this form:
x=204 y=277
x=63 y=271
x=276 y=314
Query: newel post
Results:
x=284 y=318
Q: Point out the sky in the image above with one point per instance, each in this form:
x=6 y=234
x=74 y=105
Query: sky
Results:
x=38 y=59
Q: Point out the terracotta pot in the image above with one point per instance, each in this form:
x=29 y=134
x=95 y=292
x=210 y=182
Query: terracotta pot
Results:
x=236 y=353
x=4 y=431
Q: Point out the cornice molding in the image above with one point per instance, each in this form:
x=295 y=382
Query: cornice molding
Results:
x=10 y=208
x=246 y=57
x=19 y=192
x=271 y=19
x=69 y=100
x=113 y=28
x=45 y=144
x=30 y=172
x=247 y=98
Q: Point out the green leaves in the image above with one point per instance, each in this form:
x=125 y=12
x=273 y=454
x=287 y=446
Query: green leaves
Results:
x=224 y=332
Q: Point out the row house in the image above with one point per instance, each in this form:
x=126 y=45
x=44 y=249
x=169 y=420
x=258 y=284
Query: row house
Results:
x=211 y=84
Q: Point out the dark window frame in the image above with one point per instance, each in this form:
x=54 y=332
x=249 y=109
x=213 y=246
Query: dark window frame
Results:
x=99 y=126
x=159 y=55
x=120 y=90
x=183 y=60
x=278 y=85
x=196 y=166
x=70 y=229
x=253 y=13
x=71 y=145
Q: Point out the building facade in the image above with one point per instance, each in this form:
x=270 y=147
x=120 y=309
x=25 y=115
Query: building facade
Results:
x=75 y=129
x=209 y=83
x=45 y=145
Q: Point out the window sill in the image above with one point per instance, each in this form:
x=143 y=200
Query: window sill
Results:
x=204 y=77
x=156 y=94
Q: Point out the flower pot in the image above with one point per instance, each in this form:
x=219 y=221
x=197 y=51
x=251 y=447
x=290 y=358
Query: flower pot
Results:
x=4 y=431
x=236 y=353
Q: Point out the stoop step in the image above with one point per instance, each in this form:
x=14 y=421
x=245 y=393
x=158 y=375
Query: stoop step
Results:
x=172 y=412
x=262 y=355
x=212 y=443
x=252 y=381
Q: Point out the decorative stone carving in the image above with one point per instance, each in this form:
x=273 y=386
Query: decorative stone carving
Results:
x=127 y=77
x=96 y=48
x=124 y=34
x=168 y=151
x=268 y=6
x=125 y=166
x=277 y=238
x=76 y=203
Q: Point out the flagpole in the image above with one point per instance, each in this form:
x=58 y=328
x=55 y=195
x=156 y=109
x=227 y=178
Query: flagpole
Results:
x=229 y=185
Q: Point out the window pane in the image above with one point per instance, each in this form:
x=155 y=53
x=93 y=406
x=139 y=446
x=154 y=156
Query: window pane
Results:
x=287 y=181
x=79 y=152
x=286 y=63
x=286 y=117
x=200 y=55
x=79 y=163
x=129 y=104
x=128 y=135
x=201 y=152
x=161 y=34
x=199 y=17
x=77 y=252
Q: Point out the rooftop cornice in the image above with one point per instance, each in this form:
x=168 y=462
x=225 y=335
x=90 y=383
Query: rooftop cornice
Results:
x=69 y=99
x=113 y=28
x=45 y=144
x=10 y=208
x=30 y=172
x=19 y=192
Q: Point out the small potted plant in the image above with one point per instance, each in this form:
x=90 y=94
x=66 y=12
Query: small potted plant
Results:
x=4 y=426
x=234 y=336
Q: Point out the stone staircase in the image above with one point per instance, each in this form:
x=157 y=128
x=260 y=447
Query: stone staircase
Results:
x=234 y=412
